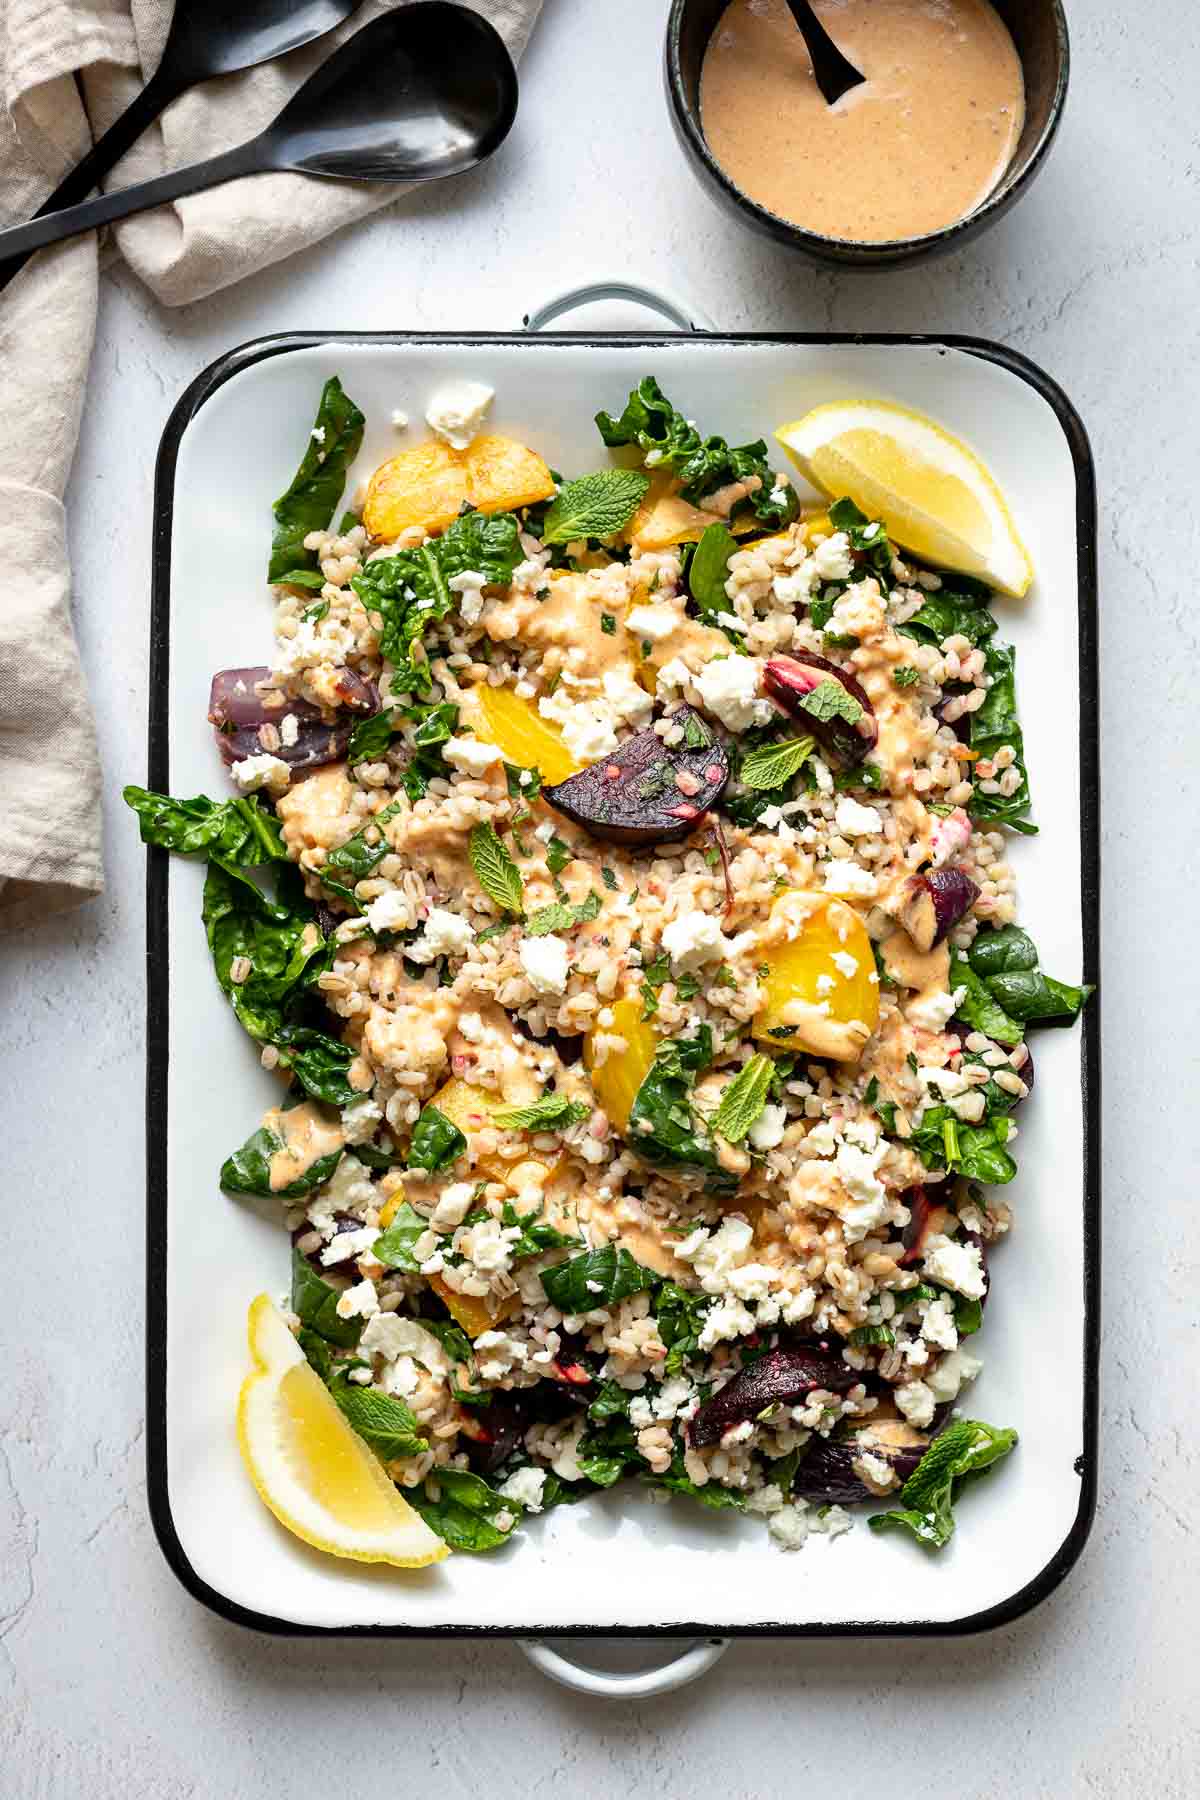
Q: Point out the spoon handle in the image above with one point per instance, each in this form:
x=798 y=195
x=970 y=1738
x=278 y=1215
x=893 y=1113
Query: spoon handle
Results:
x=23 y=240
x=104 y=154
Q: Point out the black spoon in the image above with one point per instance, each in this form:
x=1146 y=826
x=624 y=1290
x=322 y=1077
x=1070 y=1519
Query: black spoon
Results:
x=217 y=37
x=426 y=91
x=834 y=75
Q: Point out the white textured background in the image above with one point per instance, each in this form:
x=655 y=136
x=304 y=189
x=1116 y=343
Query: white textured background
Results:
x=112 y=1681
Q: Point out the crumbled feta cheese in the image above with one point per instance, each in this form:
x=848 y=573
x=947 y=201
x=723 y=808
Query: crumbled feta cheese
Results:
x=348 y=1244
x=254 y=772
x=916 y=1402
x=391 y=912
x=938 y=1325
x=844 y=963
x=930 y=1011
x=391 y=1336
x=957 y=1266
x=446 y=934
x=358 y=1302
x=525 y=1487
x=469 y=587
x=630 y=703
x=399 y=419
x=693 y=939
x=789 y=1526
x=544 y=960
x=832 y=559
x=833 y=1521
x=289 y=730
x=453 y=1206
x=470 y=754
x=951 y=1373
x=851 y=881
x=856 y=1172
x=586 y=725
x=725 y=1321
x=855 y=820
x=457 y=411
x=652 y=622
x=768 y=1129
x=795 y=589
x=728 y=687
x=359 y=1120
x=875 y=1471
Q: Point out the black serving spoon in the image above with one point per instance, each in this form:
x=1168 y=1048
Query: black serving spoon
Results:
x=207 y=38
x=834 y=75
x=426 y=91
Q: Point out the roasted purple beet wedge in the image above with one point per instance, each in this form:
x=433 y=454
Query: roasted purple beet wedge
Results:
x=827 y=1473
x=240 y=717
x=829 y=703
x=933 y=903
x=780 y=1378
x=647 y=792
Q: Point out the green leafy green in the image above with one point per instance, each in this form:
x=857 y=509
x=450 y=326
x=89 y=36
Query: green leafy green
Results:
x=994 y=725
x=316 y=487
x=865 y=1337
x=411 y=590
x=663 y=1129
x=978 y=1007
x=562 y=916
x=1034 y=998
x=436 y=1141
x=708 y=571
x=466 y=1512
x=371 y=737
x=611 y=1401
x=607 y=1448
x=357 y=858
x=537 y=1233
x=742 y=1101
x=1002 y=951
x=239 y=831
x=248 y=1170
x=394 y=1247
x=1007 y=991
x=595 y=506
x=773 y=765
x=867 y=536
x=830 y=700
x=381 y=1420
x=906 y=676
x=680 y=1315
x=558 y=855
x=595 y=1279
x=712 y=1494
x=946 y=614
x=314 y=1302
x=285 y=951
x=495 y=870
x=702 y=465
x=942 y=1140
x=551 y=1112
x=963 y=1451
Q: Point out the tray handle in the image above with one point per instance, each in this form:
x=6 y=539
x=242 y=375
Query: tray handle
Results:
x=638 y=1684
x=684 y=315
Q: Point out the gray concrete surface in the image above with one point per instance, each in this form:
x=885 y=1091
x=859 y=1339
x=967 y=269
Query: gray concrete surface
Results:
x=112 y=1681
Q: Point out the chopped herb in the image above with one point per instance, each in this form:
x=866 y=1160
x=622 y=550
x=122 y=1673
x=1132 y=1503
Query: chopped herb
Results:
x=608 y=624
x=906 y=676
x=495 y=869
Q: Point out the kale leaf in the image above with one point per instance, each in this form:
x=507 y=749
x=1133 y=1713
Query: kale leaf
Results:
x=702 y=465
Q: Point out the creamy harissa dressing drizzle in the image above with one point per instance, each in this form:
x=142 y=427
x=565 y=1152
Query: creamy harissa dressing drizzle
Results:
x=916 y=146
x=307 y=1133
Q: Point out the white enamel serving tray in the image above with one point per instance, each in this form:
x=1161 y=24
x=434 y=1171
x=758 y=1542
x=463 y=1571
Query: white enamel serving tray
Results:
x=617 y=1564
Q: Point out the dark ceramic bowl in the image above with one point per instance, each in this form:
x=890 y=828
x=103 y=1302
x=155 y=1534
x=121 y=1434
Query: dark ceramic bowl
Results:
x=1039 y=31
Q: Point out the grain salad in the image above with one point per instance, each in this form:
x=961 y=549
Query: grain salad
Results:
x=615 y=878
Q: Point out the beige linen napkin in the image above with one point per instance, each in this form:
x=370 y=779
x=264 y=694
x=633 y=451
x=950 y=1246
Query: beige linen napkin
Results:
x=67 y=70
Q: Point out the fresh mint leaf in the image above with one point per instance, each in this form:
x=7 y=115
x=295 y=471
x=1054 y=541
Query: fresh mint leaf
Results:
x=595 y=506
x=240 y=831
x=558 y=856
x=742 y=1100
x=308 y=505
x=466 y=1513
x=708 y=571
x=436 y=1141
x=964 y=1450
x=597 y=1278
x=561 y=916
x=774 y=765
x=248 y=1170
x=495 y=870
x=551 y=1112
x=382 y=1420
x=314 y=1302
x=830 y=700
x=680 y=1315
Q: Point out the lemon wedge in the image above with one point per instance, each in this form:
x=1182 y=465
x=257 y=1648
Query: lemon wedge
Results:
x=933 y=494
x=316 y=1475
